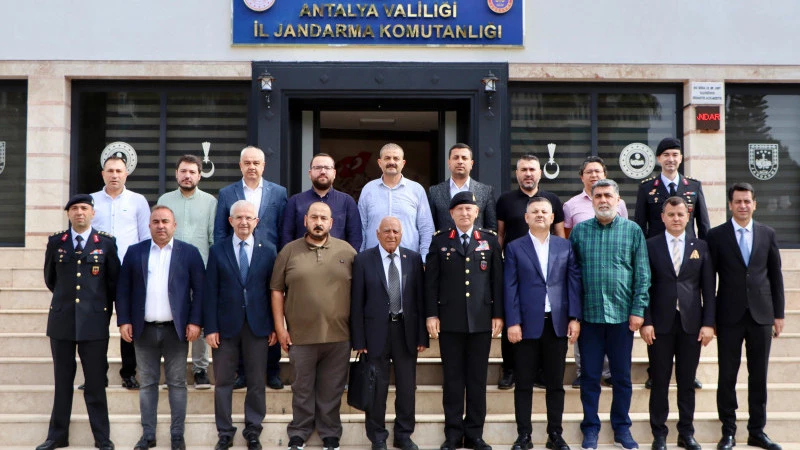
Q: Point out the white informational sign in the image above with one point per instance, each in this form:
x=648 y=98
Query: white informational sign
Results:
x=708 y=92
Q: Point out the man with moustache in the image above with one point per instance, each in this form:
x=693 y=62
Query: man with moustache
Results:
x=387 y=323
x=270 y=201
x=125 y=215
x=511 y=225
x=750 y=310
x=464 y=309
x=612 y=254
x=81 y=269
x=543 y=313
x=346 y=219
x=395 y=195
x=576 y=210
x=194 y=214
x=238 y=315
x=311 y=311
x=159 y=310
x=679 y=319
x=460 y=162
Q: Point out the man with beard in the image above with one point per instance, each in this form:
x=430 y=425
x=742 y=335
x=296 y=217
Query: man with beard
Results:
x=311 y=310
x=511 y=207
x=612 y=254
x=346 y=220
x=194 y=215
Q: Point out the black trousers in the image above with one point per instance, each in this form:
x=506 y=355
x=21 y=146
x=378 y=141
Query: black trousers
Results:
x=405 y=375
x=506 y=351
x=465 y=361
x=685 y=348
x=758 y=340
x=94 y=363
x=128 y=354
x=548 y=353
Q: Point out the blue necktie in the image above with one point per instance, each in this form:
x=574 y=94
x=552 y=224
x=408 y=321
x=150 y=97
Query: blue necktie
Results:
x=244 y=266
x=743 y=247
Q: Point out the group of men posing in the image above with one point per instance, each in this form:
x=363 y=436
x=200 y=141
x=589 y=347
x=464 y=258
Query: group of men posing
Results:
x=320 y=275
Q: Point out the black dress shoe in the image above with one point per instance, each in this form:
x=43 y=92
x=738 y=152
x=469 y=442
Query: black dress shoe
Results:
x=726 y=443
x=523 y=442
x=405 y=444
x=144 y=443
x=223 y=443
x=556 y=442
x=450 y=445
x=379 y=445
x=688 y=443
x=476 y=444
x=177 y=443
x=253 y=443
x=51 y=444
x=274 y=382
x=506 y=381
x=649 y=383
x=698 y=384
x=130 y=383
x=82 y=387
x=762 y=440
x=107 y=445
x=240 y=383
x=659 y=443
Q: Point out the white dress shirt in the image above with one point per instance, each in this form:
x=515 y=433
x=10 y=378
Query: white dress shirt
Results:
x=543 y=253
x=254 y=195
x=386 y=261
x=455 y=189
x=126 y=217
x=156 y=305
x=248 y=247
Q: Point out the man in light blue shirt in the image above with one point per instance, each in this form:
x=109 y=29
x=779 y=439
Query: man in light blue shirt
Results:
x=194 y=216
x=394 y=195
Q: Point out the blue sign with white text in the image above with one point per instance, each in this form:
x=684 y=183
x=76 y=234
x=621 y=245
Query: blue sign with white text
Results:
x=380 y=22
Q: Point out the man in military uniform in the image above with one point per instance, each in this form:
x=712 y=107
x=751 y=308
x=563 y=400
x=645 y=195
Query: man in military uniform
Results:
x=654 y=191
x=464 y=309
x=81 y=269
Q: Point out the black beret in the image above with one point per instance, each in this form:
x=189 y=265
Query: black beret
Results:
x=80 y=198
x=667 y=144
x=463 y=198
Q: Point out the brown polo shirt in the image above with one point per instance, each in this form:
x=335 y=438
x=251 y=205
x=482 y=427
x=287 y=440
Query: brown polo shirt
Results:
x=317 y=285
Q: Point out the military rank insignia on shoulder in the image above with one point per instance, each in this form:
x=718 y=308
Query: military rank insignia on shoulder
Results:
x=438 y=232
x=103 y=233
x=58 y=232
x=691 y=179
x=486 y=230
x=648 y=179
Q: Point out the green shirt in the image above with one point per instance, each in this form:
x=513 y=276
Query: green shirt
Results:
x=615 y=269
x=194 y=217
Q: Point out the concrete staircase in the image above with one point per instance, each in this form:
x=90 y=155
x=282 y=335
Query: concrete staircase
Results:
x=26 y=386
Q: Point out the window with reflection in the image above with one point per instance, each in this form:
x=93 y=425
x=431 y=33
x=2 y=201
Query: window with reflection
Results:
x=563 y=123
x=13 y=135
x=762 y=147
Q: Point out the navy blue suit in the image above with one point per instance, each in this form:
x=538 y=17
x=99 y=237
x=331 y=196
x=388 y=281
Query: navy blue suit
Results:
x=544 y=334
x=273 y=202
x=241 y=313
x=186 y=272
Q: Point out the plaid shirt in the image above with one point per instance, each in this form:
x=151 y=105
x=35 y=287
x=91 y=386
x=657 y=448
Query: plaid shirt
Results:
x=615 y=269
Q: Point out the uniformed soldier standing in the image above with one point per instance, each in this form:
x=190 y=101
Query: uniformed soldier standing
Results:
x=654 y=191
x=81 y=269
x=464 y=309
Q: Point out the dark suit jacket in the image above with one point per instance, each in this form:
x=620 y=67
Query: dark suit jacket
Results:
x=758 y=286
x=696 y=277
x=650 y=200
x=525 y=287
x=84 y=286
x=273 y=203
x=439 y=199
x=185 y=286
x=227 y=302
x=464 y=289
x=369 y=301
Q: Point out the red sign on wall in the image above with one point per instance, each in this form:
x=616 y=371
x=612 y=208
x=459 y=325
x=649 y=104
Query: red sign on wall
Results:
x=707 y=117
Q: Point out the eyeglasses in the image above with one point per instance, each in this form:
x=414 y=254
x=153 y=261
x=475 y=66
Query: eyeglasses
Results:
x=592 y=172
x=245 y=218
x=322 y=168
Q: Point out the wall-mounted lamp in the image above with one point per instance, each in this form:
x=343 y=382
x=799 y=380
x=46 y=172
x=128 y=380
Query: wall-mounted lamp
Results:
x=266 y=86
x=490 y=87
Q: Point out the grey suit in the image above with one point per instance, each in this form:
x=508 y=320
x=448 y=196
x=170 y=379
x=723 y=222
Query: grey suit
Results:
x=439 y=199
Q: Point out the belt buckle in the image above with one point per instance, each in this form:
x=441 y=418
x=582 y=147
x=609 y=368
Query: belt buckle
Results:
x=395 y=317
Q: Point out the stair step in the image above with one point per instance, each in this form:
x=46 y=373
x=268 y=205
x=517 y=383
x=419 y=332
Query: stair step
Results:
x=499 y=430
